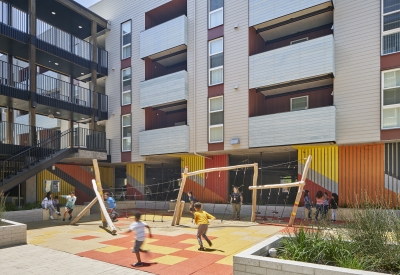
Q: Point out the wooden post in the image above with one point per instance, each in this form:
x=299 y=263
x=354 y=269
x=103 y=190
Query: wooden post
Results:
x=103 y=209
x=177 y=206
x=99 y=187
x=83 y=212
x=178 y=218
x=254 y=199
x=300 y=191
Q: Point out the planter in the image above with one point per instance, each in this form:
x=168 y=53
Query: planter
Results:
x=77 y=210
x=24 y=216
x=253 y=261
x=12 y=233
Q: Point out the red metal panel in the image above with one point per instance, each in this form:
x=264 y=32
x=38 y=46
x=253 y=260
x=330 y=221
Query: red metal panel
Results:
x=218 y=182
x=216 y=90
x=390 y=61
x=216 y=32
x=257 y=103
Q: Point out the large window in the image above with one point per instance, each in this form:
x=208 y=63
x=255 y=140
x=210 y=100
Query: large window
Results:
x=299 y=103
x=216 y=15
x=216 y=119
x=126 y=87
x=126 y=39
x=391 y=99
x=390 y=26
x=126 y=133
x=216 y=62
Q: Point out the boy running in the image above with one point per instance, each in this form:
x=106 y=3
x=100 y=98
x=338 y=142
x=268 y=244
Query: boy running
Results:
x=201 y=219
x=138 y=226
x=69 y=206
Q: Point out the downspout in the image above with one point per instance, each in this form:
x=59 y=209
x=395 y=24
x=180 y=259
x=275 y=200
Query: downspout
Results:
x=194 y=83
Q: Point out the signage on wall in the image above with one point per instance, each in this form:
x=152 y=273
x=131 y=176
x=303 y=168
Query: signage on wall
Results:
x=51 y=185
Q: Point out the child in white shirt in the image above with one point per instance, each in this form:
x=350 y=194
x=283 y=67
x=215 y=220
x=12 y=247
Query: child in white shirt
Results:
x=138 y=226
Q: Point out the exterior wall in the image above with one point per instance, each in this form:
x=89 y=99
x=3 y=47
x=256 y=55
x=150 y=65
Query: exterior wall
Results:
x=392 y=174
x=165 y=89
x=264 y=10
x=165 y=36
x=164 y=141
x=357 y=60
x=314 y=125
x=303 y=60
x=236 y=65
x=12 y=234
x=31 y=192
x=135 y=174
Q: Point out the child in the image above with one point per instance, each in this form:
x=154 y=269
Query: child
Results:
x=201 y=219
x=47 y=203
x=320 y=204
x=56 y=204
x=111 y=206
x=69 y=206
x=326 y=205
x=307 y=203
x=138 y=226
x=192 y=201
x=334 y=206
x=236 y=202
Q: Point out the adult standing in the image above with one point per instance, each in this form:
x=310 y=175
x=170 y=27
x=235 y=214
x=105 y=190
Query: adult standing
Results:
x=236 y=202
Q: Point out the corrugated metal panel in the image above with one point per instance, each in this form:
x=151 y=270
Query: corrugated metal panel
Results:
x=196 y=184
x=303 y=60
x=323 y=174
x=361 y=172
x=218 y=182
x=314 y=125
x=107 y=175
x=392 y=173
x=65 y=187
x=135 y=174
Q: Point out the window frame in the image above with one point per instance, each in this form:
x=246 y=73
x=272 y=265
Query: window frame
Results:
x=209 y=61
x=389 y=32
x=122 y=40
x=122 y=87
x=209 y=119
x=391 y=106
x=122 y=132
x=298 y=41
x=291 y=103
x=209 y=17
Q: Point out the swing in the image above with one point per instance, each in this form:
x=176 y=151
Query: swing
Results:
x=266 y=206
x=215 y=193
x=227 y=203
x=155 y=201
x=276 y=203
x=286 y=199
x=165 y=202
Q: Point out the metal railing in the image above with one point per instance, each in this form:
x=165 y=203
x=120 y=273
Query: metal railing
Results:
x=18 y=134
x=14 y=76
x=61 y=90
x=102 y=57
x=63 y=40
x=89 y=139
x=102 y=100
x=18 y=19
x=108 y=147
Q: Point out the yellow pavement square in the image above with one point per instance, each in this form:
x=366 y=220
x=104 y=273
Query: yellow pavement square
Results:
x=159 y=249
x=190 y=241
x=36 y=241
x=169 y=260
x=227 y=260
x=110 y=249
x=148 y=240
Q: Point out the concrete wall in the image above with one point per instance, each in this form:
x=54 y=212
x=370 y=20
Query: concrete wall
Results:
x=12 y=233
x=30 y=193
x=24 y=216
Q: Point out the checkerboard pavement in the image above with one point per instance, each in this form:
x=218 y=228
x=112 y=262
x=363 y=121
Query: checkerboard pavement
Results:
x=172 y=250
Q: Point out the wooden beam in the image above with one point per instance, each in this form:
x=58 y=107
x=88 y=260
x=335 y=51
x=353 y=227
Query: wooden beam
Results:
x=178 y=218
x=177 y=206
x=300 y=191
x=99 y=187
x=103 y=208
x=254 y=199
x=221 y=169
x=84 y=211
x=269 y=186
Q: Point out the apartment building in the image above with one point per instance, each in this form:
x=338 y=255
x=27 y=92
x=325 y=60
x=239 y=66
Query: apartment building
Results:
x=214 y=83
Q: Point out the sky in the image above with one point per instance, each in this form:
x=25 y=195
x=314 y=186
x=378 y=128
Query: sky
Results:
x=87 y=3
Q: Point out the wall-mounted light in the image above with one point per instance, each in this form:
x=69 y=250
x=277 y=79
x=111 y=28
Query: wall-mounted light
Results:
x=236 y=26
x=235 y=141
x=53 y=12
x=236 y=86
x=53 y=168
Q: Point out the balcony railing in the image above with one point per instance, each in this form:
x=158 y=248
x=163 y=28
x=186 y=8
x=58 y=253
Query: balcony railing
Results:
x=14 y=76
x=298 y=127
x=64 y=91
x=102 y=102
x=16 y=25
x=89 y=139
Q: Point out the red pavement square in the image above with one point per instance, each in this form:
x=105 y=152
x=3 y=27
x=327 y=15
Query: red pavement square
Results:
x=118 y=241
x=85 y=238
x=215 y=269
x=186 y=253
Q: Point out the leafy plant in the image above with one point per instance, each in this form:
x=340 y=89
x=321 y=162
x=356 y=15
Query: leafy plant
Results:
x=2 y=204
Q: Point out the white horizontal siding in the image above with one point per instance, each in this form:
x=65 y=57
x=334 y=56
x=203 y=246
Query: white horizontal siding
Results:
x=164 y=89
x=300 y=127
x=164 y=141
x=165 y=36
x=303 y=60
x=265 y=10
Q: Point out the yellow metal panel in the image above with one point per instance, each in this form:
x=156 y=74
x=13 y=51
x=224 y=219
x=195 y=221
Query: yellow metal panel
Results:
x=136 y=171
x=193 y=163
x=65 y=187
x=107 y=175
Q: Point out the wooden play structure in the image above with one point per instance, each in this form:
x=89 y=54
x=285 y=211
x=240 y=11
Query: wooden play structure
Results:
x=300 y=184
x=98 y=190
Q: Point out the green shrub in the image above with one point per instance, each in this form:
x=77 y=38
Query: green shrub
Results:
x=11 y=207
x=2 y=204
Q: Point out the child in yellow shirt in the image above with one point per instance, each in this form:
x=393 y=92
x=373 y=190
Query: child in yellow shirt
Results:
x=201 y=219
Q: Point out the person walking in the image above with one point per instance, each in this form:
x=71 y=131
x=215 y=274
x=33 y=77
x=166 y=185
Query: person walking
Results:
x=138 y=227
x=236 y=202
x=201 y=219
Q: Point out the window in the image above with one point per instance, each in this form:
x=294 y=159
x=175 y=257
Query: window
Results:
x=216 y=16
x=390 y=26
x=126 y=133
x=126 y=87
x=216 y=62
x=391 y=99
x=126 y=39
x=299 y=40
x=299 y=103
x=216 y=119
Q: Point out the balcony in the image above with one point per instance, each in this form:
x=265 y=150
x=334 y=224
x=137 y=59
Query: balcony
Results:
x=304 y=61
x=165 y=89
x=261 y=11
x=290 y=128
x=167 y=39
x=164 y=141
